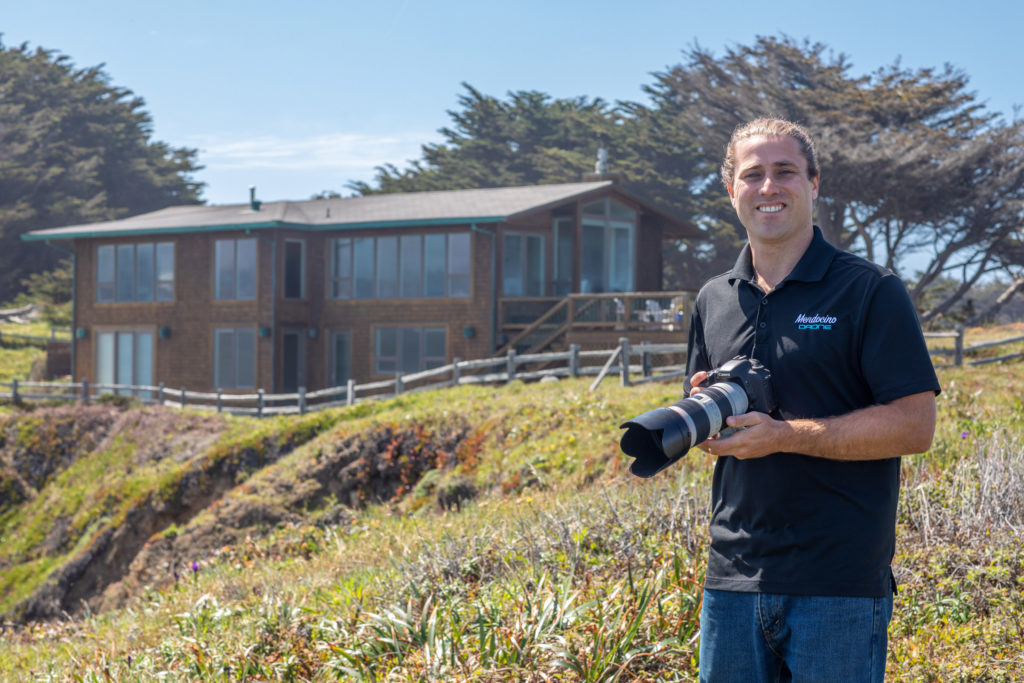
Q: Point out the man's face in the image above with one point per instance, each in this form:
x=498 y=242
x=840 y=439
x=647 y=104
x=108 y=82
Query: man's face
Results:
x=771 y=192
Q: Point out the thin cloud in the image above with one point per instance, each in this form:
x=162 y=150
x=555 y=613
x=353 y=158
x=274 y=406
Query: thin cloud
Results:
x=331 y=152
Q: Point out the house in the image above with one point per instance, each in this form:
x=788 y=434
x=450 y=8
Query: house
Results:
x=288 y=294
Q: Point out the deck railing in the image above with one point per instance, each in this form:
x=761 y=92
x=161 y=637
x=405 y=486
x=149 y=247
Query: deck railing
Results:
x=534 y=322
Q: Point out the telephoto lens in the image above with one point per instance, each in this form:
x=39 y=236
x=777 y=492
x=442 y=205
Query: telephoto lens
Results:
x=659 y=437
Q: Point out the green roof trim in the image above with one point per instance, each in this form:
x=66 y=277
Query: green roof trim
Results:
x=245 y=227
x=29 y=237
x=442 y=209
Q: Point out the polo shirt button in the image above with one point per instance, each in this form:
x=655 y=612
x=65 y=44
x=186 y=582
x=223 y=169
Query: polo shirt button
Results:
x=764 y=301
x=763 y=325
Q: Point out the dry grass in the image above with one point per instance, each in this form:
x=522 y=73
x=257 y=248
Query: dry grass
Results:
x=568 y=569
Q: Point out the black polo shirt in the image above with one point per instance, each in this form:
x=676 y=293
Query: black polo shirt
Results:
x=838 y=334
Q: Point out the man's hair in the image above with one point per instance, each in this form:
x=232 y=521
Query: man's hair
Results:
x=767 y=126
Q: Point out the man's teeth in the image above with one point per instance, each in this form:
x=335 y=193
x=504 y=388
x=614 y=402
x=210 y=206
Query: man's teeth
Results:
x=773 y=208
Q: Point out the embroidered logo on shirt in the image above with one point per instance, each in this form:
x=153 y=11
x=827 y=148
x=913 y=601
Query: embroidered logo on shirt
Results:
x=815 y=322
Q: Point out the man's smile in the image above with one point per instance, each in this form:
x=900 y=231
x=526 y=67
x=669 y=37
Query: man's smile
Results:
x=771 y=208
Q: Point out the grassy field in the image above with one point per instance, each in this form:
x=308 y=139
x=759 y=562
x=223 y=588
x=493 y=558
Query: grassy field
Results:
x=16 y=356
x=564 y=568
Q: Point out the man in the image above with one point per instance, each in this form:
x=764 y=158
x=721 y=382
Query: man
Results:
x=799 y=585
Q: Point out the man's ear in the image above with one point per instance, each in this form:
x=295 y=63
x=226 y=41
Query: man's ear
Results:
x=728 y=188
x=815 y=181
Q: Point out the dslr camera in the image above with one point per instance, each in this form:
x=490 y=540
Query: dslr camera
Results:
x=659 y=437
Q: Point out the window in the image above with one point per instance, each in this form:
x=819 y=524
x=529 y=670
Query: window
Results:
x=341 y=269
x=607 y=252
x=124 y=357
x=294 y=269
x=458 y=264
x=135 y=272
x=523 y=265
x=562 y=277
x=411 y=258
x=234 y=358
x=362 y=253
x=408 y=349
x=340 y=362
x=235 y=269
x=410 y=266
x=387 y=267
x=435 y=265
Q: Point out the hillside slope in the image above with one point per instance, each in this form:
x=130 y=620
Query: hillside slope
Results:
x=474 y=534
x=100 y=502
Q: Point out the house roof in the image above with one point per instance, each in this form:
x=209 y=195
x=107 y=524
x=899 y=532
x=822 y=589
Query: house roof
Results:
x=447 y=207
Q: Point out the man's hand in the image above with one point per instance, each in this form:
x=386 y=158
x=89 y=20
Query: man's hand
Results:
x=757 y=435
x=900 y=427
x=755 y=440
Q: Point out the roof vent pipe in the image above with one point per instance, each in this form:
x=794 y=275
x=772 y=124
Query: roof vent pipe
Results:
x=253 y=203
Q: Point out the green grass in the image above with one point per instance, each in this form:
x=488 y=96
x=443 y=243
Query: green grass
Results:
x=565 y=568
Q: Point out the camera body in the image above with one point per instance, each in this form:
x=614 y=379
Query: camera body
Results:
x=659 y=437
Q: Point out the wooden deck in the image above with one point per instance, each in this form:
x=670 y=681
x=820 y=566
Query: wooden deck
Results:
x=536 y=324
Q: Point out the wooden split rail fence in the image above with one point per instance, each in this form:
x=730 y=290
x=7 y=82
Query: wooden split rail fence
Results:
x=959 y=350
x=647 y=362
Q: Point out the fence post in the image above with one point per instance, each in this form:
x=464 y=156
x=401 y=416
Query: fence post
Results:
x=645 y=361
x=958 y=346
x=510 y=365
x=14 y=391
x=259 y=403
x=350 y=392
x=160 y=393
x=220 y=400
x=85 y=392
x=399 y=384
x=302 y=400
x=574 y=360
x=624 y=360
x=456 y=371
x=183 y=397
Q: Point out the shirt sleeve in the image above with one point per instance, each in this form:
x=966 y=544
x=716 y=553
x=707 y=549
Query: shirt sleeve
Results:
x=894 y=358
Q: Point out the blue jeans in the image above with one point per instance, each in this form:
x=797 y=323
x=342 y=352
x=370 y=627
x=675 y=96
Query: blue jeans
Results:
x=762 y=638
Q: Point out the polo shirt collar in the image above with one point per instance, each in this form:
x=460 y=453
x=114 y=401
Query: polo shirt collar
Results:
x=811 y=267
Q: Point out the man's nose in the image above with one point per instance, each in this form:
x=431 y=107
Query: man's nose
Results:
x=767 y=185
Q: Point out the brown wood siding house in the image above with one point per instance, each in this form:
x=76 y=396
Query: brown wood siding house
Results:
x=280 y=295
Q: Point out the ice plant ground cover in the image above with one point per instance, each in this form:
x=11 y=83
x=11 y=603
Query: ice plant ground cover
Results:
x=561 y=567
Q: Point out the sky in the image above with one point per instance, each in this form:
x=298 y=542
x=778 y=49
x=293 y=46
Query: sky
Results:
x=299 y=97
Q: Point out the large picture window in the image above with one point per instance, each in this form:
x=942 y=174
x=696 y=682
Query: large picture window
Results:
x=135 y=272
x=124 y=357
x=234 y=358
x=235 y=269
x=409 y=267
x=523 y=265
x=607 y=258
x=408 y=349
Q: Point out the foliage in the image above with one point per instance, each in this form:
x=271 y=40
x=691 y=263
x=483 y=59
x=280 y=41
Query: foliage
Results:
x=74 y=149
x=529 y=139
x=52 y=291
x=564 y=567
x=912 y=162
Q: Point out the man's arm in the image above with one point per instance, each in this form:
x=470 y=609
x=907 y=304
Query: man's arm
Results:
x=900 y=427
